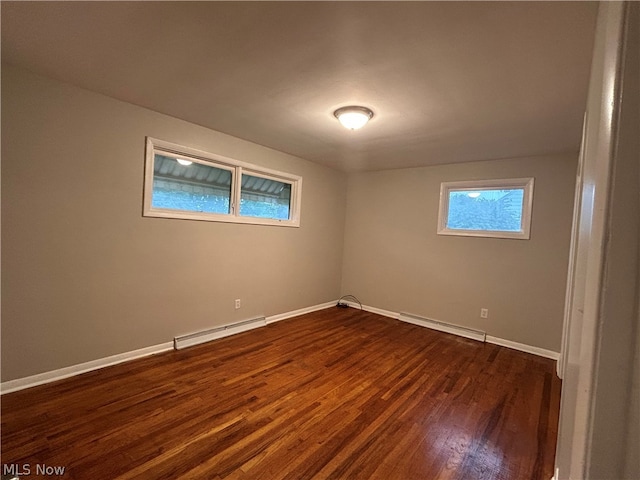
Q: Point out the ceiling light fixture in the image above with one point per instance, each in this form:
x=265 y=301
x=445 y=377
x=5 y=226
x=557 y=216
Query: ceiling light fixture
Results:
x=184 y=162
x=353 y=117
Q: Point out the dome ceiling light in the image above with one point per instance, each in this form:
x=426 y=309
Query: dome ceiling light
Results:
x=353 y=117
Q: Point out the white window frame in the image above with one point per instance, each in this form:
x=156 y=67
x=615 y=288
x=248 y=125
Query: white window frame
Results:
x=236 y=167
x=495 y=184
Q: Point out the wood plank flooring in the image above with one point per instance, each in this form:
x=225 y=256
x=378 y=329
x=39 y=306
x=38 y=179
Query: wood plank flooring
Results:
x=336 y=394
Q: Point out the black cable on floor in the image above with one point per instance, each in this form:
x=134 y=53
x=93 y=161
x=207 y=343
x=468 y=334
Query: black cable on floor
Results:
x=346 y=305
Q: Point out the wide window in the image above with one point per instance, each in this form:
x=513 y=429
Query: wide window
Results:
x=486 y=208
x=181 y=182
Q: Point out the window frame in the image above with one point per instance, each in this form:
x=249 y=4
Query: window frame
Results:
x=494 y=184
x=236 y=168
x=266 y=176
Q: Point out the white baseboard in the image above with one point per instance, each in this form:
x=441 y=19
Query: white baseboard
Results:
x=301 y=311
x=205 y=336
x=66 y=372
x=54 y=375
x=443 y=327
x=369 y=308
x=541 y=352
x=522 y=347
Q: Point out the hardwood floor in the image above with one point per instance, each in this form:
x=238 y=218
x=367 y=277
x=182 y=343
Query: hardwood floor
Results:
x=336 y=394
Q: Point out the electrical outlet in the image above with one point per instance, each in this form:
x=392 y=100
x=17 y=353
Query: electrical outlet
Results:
x=237 y=303
x=484 y=313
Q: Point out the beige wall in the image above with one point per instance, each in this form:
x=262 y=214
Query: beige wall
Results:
x=393 y=258
x=85 y=276
x=632 y=459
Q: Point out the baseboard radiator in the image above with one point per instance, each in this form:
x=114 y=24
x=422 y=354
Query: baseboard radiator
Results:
x=443 y=327
x=197 y=338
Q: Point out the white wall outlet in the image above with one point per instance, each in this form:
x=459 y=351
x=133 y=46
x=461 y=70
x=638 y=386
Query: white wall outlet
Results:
x=484 y=313
x=237 y=303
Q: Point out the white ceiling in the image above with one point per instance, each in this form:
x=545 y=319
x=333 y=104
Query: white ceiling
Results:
x=448 y=81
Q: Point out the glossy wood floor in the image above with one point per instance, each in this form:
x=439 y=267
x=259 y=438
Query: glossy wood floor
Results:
x=335 y=394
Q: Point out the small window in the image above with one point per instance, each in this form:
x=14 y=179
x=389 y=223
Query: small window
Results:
x=184 y=183
x=190 y=187
x=265 y=197
x=486 y=208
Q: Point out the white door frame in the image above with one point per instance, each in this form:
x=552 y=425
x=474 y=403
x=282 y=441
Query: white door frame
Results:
x=585 y=286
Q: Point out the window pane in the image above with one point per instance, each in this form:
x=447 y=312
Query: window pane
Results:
x=264 y=198
x=194 y=187
x=495 y=210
